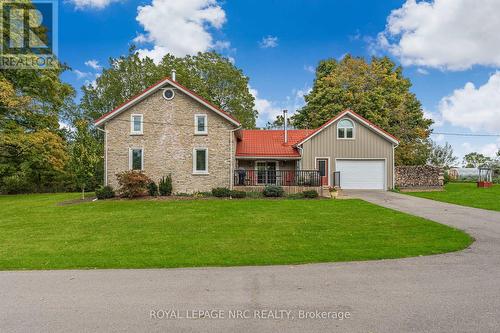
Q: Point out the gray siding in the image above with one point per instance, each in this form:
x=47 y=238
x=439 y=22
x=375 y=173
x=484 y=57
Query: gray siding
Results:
x=366 y=144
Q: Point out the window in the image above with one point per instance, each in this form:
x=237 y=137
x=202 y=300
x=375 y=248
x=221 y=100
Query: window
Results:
x=200 y=161
x=345 y=129
x=200 y=124
x=136 y=124
x=168 y=94
x=136 y=159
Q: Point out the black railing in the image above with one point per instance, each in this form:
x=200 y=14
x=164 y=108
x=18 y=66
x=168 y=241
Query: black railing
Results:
x=259 y=177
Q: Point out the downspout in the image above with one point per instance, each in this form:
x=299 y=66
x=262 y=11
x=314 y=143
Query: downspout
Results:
x=394 y=166
x=105 y=155
x=231 y=168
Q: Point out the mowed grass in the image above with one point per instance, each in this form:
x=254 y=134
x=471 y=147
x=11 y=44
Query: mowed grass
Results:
x=466 y=194
x=36 y=233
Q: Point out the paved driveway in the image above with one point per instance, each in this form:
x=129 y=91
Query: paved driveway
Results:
x=455 y=292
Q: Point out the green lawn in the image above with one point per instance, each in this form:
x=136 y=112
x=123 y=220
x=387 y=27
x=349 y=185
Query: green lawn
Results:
x=36 y=233
x=466 y=194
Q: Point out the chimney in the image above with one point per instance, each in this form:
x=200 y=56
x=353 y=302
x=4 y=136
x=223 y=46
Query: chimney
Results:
x=173 y=74
x=285 y=121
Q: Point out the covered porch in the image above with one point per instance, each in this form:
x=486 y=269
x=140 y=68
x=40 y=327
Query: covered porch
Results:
x=286 y=173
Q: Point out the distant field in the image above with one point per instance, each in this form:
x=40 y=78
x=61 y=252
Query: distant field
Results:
x=466 y=194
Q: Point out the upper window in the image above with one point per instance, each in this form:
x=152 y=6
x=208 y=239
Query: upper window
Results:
x=136 y=159
x=345 y=129
x=200 y=124
x=200 y=160
x=168 y=94
x=136 y=124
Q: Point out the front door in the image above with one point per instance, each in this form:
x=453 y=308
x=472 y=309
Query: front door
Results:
x=266 y=173
x=322 y=165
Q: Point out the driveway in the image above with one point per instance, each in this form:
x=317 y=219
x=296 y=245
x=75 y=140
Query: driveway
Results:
x=454 y=292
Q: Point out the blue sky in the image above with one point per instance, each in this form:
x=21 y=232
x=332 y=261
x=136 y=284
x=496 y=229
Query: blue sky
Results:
x=450 y=49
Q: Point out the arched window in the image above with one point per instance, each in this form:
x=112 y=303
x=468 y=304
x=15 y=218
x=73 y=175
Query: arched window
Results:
x=345 y=129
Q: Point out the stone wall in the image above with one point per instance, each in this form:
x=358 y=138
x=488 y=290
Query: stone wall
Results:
x=420 y=177
x=168 y=142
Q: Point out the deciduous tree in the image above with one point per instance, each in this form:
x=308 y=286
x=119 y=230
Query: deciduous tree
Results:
x=377 y=91
x=210 y=75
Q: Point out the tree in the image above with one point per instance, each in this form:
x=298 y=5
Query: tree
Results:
x=475 y=160
x=85 y=156
x=210 y=75
x=442 y=156
x=38 y=158
x=32 y=146
x=377 y=91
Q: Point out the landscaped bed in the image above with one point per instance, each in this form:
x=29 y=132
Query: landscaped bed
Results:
x=466 y=194
x=37 y=233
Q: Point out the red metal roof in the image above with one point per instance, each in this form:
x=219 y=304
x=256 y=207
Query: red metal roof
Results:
x=270 y=143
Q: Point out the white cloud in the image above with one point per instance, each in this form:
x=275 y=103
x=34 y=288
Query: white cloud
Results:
x=179 y=27
x=91 y=4
x=474 y=108
x=436 y=117
x=268 y=111
x=269 y=42
x=310 y=69
x=487 y=149
x=422 y=71
x=81 y=75
x=94 y=64
x=446 y=34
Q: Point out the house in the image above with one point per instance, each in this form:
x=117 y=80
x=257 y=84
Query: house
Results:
x=168 y=129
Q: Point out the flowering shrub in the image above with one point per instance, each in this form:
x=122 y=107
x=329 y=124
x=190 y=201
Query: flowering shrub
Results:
x=133 y=183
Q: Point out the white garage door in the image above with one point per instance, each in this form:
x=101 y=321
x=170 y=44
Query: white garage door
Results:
x=361 y=174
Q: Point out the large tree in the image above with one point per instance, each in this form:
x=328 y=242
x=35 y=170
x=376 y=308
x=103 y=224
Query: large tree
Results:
x=442 y=156
x=210 y=75
x=475 y=160
x=32 y=147
x=378 y=91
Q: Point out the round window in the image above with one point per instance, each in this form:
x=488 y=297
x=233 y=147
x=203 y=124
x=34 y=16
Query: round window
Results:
x=168 y=94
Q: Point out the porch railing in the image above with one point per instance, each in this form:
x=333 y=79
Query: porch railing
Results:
x=308 y=178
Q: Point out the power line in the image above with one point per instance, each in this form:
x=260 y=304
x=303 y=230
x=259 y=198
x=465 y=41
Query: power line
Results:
x=467 y=134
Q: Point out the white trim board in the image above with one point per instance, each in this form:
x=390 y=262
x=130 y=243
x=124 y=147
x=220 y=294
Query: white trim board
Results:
x=355 y=116
x=155 y=88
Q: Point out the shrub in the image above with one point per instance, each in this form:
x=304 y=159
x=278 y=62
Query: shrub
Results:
x=16 y=184
x=273 y=191
x=446 y=178
x=104 y=192
x=238 y=194
x=221 y=192
x=132 y=183
x=165 y=186
x=153 y=189
x=311 y=194
x=299 y=195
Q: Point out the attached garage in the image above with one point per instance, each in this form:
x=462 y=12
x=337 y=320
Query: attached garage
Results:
x=362 y=174
x=357 y=151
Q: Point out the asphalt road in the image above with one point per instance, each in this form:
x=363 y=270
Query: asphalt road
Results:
x=455 y=292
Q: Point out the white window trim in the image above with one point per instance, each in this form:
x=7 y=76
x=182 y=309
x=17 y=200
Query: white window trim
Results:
x=132 y=132
x=165 y=97
x=200 y=172
x=345 y=133
x=196 y=116
x=130 y=157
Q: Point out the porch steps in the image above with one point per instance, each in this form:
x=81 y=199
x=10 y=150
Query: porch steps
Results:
x=325 y=191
